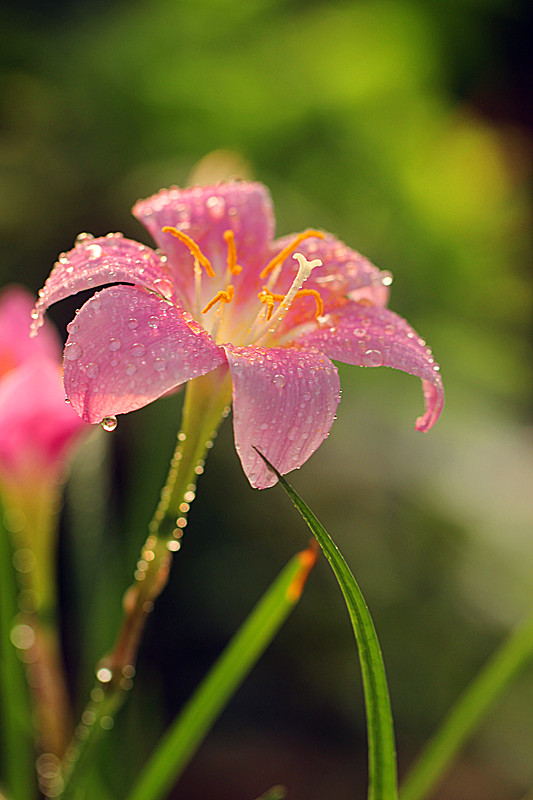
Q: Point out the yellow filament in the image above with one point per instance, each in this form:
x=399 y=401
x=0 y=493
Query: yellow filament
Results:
x=232 y=253
x=193 y=248
x=267 y=297
x=220 y=297
x=282 y=255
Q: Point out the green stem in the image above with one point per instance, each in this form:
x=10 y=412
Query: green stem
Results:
x=205 y=405
x=31 y=512
x=199 y=714
x=467 y=713
x=16 y=734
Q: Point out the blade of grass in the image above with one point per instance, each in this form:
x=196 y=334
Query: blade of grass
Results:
x=16 y=733
x=468 y=712
x=382 y=777
x=199 y=714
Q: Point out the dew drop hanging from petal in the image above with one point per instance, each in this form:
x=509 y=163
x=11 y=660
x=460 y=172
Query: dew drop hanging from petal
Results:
x=109 y=423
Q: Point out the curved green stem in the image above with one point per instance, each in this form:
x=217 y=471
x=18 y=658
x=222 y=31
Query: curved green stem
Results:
x=467 y=712
x=205 y=405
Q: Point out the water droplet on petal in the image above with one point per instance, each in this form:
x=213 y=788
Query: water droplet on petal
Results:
x=386 y=277
x=72 y=351
x=92 y=370
x=279 y=380
x=132 y=324
x=115 y=344
x=72 y=327
x=164 y=287
x=216 y=207
x=153 y=322
x=109 y=423
x=83 y=237
x=160 y=364
x=94 y=251
x=130 y=370
x=137 y=349
x=373 y=358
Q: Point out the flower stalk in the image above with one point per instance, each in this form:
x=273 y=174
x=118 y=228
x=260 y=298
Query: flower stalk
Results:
x=206 y=404
x=32 y=523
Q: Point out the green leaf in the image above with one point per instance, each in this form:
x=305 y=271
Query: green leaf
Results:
x=199 y=714
x=16 y=733
x=468 y=712
x=382 y=778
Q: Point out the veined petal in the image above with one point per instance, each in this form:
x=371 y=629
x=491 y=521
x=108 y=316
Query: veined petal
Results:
x=284 y=403
x=374 y=337
x=95 y=262
x=127 y=346
x=16 y=347
x=204 y=213
x=344 y=273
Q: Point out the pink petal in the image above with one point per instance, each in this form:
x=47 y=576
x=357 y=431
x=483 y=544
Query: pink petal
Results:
x=204 y=213
x=16 y=346
x=95 y=262
x=373 y=337
x=127 y=346
x=284 y=403
x=36 y=425
x=344 y=272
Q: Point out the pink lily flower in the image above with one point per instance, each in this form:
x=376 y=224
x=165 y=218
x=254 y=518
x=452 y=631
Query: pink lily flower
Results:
x=37 y=427
x=222 y=293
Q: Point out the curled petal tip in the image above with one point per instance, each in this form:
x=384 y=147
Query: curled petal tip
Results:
x=434 y=399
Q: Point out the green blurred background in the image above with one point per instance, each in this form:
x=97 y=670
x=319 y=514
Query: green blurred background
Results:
x=404 y=127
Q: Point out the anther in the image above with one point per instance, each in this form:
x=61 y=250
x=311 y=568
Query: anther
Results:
x=220 y=297
x=233 y=267
x=283 y=254
x=269 y=298
x=193 y=248
x=266 y=297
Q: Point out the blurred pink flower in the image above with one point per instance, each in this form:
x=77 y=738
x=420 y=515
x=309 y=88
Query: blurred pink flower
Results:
x=221 y=292
x=36 y=425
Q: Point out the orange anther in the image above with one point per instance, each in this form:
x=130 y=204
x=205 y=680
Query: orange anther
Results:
x=282 y=255
x=269 y=298
x=193 y=248
x=220 y=297
x=314 y=293
x=266 y=297
x=232 y=253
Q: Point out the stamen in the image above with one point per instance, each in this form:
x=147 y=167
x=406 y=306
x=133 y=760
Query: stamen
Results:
x=304 y=271
x=220 y=297
x=308 y=293
x=233 y=267
x=193 y=248
x=282 y=255
x=266 y=297
x=269 y=298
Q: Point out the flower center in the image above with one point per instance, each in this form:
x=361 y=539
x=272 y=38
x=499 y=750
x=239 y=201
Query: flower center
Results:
x=269 y=317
